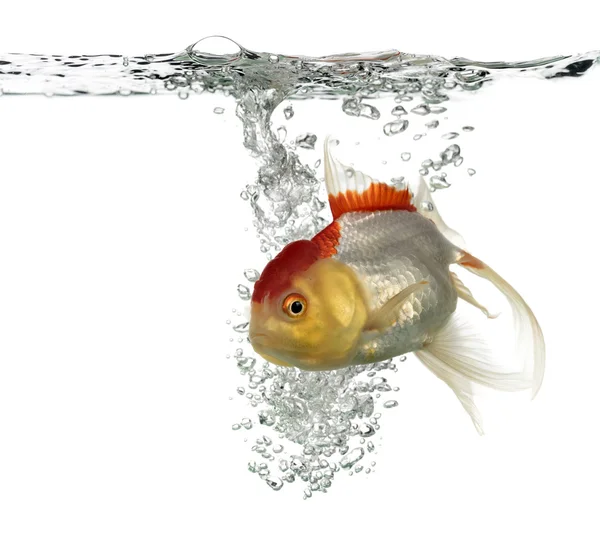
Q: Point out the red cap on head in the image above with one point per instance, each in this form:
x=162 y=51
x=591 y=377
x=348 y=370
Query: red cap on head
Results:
x=277 y=276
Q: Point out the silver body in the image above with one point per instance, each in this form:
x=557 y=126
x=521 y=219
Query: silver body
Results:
x=390 y=250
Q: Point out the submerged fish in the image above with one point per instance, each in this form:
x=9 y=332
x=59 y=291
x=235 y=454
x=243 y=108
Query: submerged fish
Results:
x=375 y=284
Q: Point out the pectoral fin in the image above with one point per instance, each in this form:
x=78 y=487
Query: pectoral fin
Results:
x=384 y=317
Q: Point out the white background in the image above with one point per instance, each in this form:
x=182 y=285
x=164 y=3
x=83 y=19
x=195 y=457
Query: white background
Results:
x=121 y=243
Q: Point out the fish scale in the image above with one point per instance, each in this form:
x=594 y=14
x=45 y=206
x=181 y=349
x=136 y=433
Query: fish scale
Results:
x=390 y=250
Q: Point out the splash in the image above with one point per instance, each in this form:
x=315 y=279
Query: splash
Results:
x=313 y=426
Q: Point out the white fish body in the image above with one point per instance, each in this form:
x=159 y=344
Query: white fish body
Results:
x=393 y=249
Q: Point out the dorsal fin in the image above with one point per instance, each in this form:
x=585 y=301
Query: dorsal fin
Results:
x=427 y=208
x=350 y=190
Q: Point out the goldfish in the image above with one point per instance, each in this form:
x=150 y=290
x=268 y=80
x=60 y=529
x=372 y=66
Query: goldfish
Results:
x=377 y=283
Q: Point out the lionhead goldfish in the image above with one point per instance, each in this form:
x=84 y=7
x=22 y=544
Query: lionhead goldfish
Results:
x=376 y=283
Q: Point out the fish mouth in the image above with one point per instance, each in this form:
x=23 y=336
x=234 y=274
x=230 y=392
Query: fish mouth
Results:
x=258 y=338
x=259 y=342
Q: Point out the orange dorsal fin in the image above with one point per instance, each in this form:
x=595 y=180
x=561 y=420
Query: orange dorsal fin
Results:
x=350 y=190
x=378 y=196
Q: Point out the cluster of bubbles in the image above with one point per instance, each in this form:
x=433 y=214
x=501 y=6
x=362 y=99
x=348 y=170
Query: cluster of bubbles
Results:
x=327 y=420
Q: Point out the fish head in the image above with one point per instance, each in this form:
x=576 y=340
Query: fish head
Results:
x=310 y=316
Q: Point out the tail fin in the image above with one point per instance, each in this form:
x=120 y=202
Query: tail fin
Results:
x=530 y=345
x=459 y=357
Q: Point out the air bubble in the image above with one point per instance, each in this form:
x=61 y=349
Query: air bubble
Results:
x=393 y=128
x=243 y=292
x=422 y=109
x=366 y=430
x=351 y=107
x=196 y=87
x=438 y=110
x=288 y=112
x=243 y=327
x=246 y=423
x=368 y=111
x=218 y=110
x=306 y=141
x=450 y=154
x=352 y=458
x=251 y=275
x=439 y=182
x=354 y=107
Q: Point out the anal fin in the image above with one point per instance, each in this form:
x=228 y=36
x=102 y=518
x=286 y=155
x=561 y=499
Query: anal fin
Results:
x=465 y=294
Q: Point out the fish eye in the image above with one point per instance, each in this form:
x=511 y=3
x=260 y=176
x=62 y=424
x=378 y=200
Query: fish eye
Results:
x=294 y=305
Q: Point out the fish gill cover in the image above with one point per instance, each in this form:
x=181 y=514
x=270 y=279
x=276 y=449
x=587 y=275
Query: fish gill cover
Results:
x=313 y=425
